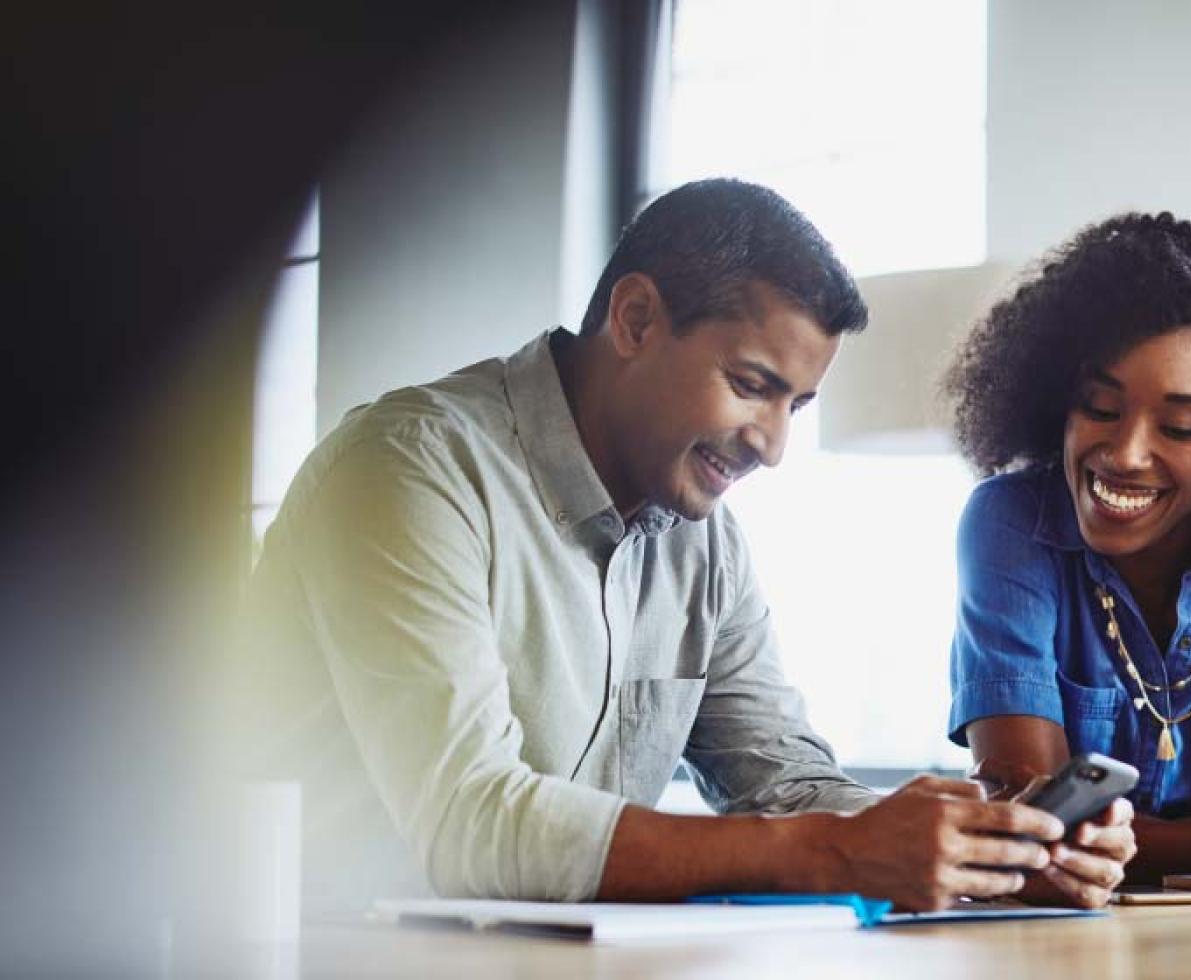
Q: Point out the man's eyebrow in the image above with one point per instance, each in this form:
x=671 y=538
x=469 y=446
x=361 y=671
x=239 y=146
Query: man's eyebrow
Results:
x=1178 y=398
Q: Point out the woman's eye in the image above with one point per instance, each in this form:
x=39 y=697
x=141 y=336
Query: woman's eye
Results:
x=1174 y=432
x=1097 y=414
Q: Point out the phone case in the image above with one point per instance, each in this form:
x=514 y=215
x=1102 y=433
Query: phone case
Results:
x=1084 y=787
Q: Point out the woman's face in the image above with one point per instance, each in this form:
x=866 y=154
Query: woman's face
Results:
x=1127 y=451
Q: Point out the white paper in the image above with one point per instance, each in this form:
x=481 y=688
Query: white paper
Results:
x=603 y=921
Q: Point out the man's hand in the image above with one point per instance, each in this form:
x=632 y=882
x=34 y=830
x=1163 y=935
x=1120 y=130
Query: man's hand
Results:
x=935 y=840
x=1084 y=870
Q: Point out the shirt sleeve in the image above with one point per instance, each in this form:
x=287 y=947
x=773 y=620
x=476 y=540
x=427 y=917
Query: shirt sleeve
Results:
x=751 y=747
x=1002 y=655
x=393 y=559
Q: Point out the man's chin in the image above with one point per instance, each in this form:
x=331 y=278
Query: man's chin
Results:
x=691 y=508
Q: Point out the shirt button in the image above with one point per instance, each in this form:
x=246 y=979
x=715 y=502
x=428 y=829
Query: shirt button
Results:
x=563 y=517
x=1185 y=643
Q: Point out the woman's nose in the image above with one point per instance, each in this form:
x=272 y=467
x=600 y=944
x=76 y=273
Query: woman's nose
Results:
x=1129 y=448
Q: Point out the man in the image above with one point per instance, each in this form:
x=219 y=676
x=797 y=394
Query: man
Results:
x=517 y=591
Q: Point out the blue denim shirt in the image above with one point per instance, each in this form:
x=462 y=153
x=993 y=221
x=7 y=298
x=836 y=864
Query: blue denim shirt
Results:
x=1030 y=635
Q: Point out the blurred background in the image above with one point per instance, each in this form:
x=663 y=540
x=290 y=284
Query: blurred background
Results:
x=229 y=226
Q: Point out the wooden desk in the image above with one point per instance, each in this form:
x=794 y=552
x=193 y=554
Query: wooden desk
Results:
x=1138 y=944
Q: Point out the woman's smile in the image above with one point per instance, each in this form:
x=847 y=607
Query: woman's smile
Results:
x=1119 y=500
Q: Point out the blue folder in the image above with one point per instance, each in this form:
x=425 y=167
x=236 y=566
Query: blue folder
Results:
x=879 y=912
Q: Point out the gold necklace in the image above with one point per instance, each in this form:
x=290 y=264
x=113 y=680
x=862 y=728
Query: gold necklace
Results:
x=1166 y=750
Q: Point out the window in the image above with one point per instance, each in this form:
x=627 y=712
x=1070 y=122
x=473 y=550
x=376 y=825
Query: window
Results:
x=868 y=116
x=286 y=375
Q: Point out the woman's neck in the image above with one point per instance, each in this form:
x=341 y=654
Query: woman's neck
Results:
x=1155 y=581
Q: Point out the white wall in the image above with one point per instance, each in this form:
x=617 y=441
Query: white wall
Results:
x=442 y=224
x=589 y=198
x=1089 y=113
x=473 y=213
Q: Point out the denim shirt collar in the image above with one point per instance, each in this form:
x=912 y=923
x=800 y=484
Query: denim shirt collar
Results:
x=1058 y=528
x=1057 y=525
x=569 y=487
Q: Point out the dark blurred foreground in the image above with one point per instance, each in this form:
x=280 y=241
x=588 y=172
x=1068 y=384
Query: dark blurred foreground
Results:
x=156 y=158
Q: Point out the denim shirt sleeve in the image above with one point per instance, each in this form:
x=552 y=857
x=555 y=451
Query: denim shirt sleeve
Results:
x=1002 y=655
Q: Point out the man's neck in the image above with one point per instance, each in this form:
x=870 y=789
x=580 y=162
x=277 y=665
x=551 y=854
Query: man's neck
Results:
x=586 y=384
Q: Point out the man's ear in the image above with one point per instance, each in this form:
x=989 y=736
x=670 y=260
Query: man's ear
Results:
x=636 y=313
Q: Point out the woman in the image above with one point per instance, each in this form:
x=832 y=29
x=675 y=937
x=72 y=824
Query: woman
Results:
x=1074 y=621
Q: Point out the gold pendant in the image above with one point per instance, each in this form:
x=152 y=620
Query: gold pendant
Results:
x=1166 y=751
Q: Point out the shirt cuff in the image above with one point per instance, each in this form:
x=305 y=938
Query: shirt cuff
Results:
x=564 y=844
x=1004 y=696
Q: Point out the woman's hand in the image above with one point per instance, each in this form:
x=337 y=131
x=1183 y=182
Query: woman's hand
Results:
x=1083 y=870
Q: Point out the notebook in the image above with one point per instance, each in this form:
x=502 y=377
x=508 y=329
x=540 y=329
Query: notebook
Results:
x=704 y=916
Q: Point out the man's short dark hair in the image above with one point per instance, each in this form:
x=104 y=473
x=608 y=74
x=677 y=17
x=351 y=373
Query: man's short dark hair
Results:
x=702 y=244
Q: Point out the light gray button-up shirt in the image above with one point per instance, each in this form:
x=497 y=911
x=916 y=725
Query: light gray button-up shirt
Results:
x=462 y=601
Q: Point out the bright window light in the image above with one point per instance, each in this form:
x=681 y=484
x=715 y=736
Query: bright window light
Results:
x=286 y=376
x=856 y=555
x=870 y=117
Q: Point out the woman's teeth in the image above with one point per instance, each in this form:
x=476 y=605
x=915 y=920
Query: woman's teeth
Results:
x=1128 y=502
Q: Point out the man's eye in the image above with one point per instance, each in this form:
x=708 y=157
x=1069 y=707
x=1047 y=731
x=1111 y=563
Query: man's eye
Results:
x=745 y=387
x=1177 y=433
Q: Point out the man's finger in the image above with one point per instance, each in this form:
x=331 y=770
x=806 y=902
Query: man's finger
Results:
x=1007 y=777
x=938 y=786
x=985 y=884
x=1089 y=868
x=1082 y=893
x=1034 y=784
x=1008 y=818
x=1005 y=852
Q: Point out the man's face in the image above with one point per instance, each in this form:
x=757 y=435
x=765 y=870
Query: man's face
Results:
x=699 y=411
x=1127 y=451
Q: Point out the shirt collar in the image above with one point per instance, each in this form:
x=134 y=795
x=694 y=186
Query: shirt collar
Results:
x=1058 y=527
x=1057 y=524
x=567 y=483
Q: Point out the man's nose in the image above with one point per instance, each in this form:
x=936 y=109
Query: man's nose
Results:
x=766 y=435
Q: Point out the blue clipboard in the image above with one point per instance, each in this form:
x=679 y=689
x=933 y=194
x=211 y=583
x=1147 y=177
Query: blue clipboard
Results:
x=869 y=911
x=872 y=912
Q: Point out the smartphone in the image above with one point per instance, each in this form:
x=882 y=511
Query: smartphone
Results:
x=1149 y=895
x=1084 y=787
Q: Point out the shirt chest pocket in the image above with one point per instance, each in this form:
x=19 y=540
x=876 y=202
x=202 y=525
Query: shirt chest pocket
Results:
x=1089 y=715
x=656 y=716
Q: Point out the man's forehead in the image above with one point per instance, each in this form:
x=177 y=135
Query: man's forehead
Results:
x=759 y=297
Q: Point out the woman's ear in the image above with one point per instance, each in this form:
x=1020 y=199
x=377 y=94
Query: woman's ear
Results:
x=636 y=314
